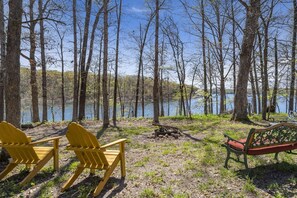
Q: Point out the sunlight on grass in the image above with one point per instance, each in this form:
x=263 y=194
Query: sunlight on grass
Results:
x=190 y=165
x=155 y=177
x=249 y=186
x=142 y=162
x=181 y=195
x=148 y=193
x=168 y=192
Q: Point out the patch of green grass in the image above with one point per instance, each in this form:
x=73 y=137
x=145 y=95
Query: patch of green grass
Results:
x=45 y=189
x=164 y=163
x=9 y=188
x=209 y=158
x=190 y=165
x=199 y=174
x=84 y=190
x=140 y=145
x=249 y=186
x=190 y=147
x=133 y=130
x=167 y=191
x=225 y=173
x=279 y=195
x=181 y=195
x=133 y=177
x=154 y=177
x=273 y=186
x=293 y=180
x=205 y=186
x=148 y=193
x=168 y=151
x=73 y=166
x=142 y=162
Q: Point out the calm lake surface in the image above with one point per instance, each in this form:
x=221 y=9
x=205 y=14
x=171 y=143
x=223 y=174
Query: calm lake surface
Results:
x=171 y=109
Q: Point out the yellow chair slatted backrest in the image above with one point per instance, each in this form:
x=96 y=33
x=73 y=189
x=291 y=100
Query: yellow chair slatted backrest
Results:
x=17 y=144
x=86 y=147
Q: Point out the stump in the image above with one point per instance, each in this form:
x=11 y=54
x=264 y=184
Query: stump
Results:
x=165 y=131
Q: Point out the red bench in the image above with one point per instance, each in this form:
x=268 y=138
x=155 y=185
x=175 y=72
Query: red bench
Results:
x=278 y=138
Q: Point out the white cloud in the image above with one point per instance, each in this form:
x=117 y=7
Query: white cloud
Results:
x=138 y=10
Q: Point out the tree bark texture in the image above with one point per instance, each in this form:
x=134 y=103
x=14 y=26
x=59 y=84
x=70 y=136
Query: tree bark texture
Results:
x=43 y=63
x=251 y=25
x=156 y=67
x=293 y=60
x=275 y=87
x=119 y=15
x=12 y=61
x=143 y=37
x=105 y=64
x=2 y=61
x=83 y=72
x=33 y=81
x=99 y=81
x=75 y=65
x=204 y=59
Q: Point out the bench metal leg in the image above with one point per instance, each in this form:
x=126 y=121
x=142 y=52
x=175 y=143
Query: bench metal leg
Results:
x=227 y=158
x=276 y=157
x=245 y=161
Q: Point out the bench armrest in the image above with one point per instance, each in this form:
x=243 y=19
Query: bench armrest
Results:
x=232 y=139
x=46 y=140
x=120 y=141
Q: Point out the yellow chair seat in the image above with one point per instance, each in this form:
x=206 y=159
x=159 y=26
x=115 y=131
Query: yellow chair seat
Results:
x=23 y=151
x=93 y=156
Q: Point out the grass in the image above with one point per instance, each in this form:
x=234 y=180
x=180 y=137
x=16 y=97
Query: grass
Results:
x=166 y=167
x=148 y=193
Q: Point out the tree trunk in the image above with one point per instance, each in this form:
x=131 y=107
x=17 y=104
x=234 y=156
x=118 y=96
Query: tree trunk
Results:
x=256 y=82
x=99 y=81
x=293 y=60
x=254 y=95
x=161 y=78
x=205 y=94
x=43 y=64
x=62 y=76
x=275 y=87
x=233 y=46
x=156 y=68
x=262 y=69
x=12 y=81
x=161 y=94
x=140 y=67
x=84 y=78
x=105 y=62
x=142 y=89
x=83 y=72
x=33 y=81
x=210 y=70
x=240 y=100
x=114 y=116
x=2 y=62
x=75 y=66
x=138 y=73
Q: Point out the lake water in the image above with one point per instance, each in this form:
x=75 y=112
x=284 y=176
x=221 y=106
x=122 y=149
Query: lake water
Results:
x=171 y=109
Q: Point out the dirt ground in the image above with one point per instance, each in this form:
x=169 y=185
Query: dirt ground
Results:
x=190 y=166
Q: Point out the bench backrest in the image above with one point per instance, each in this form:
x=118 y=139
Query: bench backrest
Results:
x=283 y=133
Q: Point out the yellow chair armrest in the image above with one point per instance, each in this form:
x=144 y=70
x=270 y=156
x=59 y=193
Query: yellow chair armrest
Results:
x=46 y=140
x=114 y=143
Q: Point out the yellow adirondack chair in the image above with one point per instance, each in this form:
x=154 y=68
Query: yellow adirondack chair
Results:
x=93 y=156
x=23 y=151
